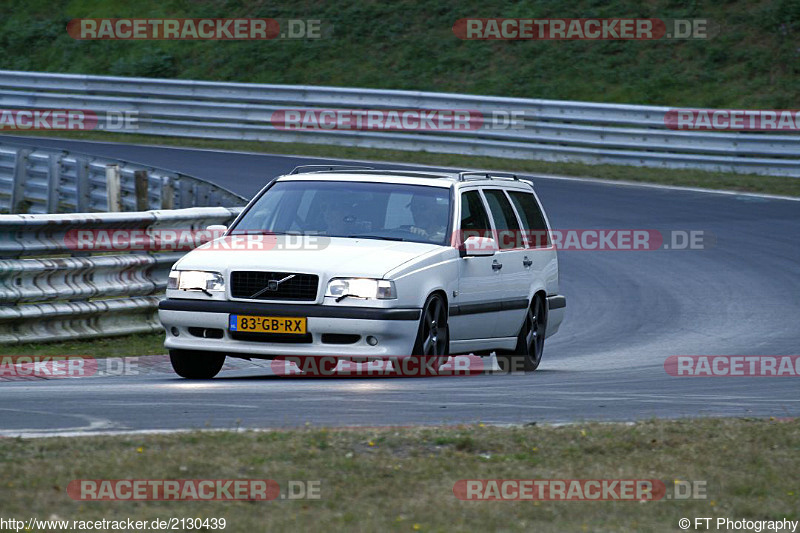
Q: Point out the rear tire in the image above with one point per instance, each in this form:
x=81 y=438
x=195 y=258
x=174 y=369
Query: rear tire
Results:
x=191 y=364
x=527 y=354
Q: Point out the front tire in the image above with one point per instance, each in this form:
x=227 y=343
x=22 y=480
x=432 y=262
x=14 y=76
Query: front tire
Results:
x=433 y=336
x=530 y=342
x=196 y=365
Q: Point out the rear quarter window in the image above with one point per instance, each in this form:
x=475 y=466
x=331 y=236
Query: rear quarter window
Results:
x=532 y=219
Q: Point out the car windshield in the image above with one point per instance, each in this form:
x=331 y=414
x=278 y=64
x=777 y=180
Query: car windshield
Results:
x=387 y=211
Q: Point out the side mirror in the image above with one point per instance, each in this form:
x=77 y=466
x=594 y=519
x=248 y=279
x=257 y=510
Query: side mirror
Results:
x=478 y=247
x=222 y=228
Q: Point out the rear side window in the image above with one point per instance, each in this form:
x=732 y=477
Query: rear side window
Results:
x=474 y=220
x=505 y=221
x=532 y=219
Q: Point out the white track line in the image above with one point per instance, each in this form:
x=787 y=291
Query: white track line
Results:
x=32 y=434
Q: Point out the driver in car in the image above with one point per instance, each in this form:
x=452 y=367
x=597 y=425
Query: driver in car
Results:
x=336 y=215
x=430 y=218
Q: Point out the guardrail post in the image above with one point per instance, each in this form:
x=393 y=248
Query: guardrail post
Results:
x=201 y=194
x=167 y=194
x=83 y=191
x=53 y=183
x=185 y=195
x=113 y=188
x=17 y=204
x=140 y=182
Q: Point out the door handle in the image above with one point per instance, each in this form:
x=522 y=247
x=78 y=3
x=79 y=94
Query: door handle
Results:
x=526 y=262
x=496 y=265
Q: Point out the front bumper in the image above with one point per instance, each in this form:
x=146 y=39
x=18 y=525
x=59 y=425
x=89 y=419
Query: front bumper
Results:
x=394 y=329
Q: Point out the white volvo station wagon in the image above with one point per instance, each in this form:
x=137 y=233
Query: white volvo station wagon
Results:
x=361 y=263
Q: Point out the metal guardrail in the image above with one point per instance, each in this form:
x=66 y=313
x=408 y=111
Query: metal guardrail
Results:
x=50 y=292
x=38 y=180
x=550 y=130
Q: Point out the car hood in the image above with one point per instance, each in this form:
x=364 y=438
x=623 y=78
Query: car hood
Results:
x=327 y=257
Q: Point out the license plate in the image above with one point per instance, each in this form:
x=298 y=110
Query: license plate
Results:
x=268 y=324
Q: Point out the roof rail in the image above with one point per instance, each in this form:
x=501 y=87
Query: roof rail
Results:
x=411 y=173
x=321 y=168
x=462 y=176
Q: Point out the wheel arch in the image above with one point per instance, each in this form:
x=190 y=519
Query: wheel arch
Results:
x=542 y=293
x=537 y=292
x=443 y=293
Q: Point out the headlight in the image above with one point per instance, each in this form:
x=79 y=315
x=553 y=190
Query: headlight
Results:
x=375 y=289
x=196 y=280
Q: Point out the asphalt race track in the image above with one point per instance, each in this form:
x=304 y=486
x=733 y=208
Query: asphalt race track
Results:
x=627 y=312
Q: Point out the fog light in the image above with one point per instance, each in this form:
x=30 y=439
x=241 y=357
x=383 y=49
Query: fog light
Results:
x=174 y=331
x=372 y=341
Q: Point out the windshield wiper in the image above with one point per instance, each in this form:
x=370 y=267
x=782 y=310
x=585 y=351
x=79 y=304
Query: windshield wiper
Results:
x=377 y=237
x=259 y=232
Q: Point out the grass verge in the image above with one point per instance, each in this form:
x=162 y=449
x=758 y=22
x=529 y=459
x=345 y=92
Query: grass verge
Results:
x=402 y=479
x=684 y=178
x=748 y=61
x=125 y=346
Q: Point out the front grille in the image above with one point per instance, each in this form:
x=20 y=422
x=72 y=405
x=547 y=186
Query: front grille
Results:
x=246 y=284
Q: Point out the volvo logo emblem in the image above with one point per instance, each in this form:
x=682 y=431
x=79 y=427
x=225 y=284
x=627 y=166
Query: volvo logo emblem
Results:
x=272 y=285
